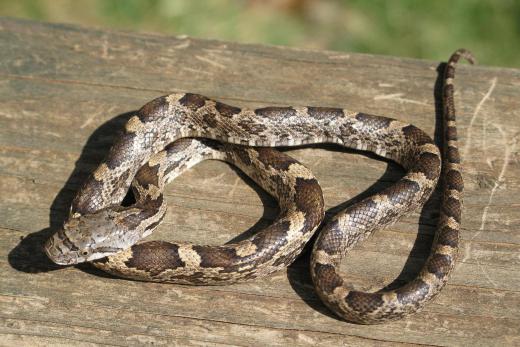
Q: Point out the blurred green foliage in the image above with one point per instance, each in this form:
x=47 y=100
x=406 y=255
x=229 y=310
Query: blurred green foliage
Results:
x=412 y=28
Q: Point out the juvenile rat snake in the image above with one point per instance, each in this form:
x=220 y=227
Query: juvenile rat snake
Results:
x=169 y=118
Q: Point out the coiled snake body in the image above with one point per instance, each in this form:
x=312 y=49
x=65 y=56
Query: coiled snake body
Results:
x=169 y=118
x=293 y=185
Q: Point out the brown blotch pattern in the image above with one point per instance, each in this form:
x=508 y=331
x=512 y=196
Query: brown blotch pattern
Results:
x=193 y=101
x=265 y=155
x=429 y=164
x=158 y=256
x=448 y=103
x=155 y=257
x=448 y=237
x=309 y=197
x=416 y=135
x=327 y=113
x=439 y=265
x=155 y=107
x=211 y=257
x=89 y=199
x=226 y=110
x=452 y=154
x=243 y=155
x=276 y=112
x=155 y=224
x=454 y=180
x=148 y=175
x=450 y=72
x=364 y=302
x=328 y=278
x=451 y=133
x=452 y=208
x=210 y=119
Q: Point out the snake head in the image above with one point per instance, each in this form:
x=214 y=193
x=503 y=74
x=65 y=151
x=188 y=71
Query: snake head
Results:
x=93 y=236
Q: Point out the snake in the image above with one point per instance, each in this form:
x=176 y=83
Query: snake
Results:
x=334 y=240
x=118 y=228
x=169 y=118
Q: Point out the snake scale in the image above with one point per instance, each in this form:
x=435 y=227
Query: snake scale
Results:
x=97 y=227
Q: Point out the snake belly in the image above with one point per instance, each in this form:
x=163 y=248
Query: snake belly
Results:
x=179 y=115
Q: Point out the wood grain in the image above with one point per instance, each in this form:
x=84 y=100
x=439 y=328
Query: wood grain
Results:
x=66 y=90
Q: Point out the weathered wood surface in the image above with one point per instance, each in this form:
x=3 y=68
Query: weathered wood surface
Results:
x=63 y=86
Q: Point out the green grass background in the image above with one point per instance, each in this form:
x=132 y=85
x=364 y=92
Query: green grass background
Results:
x=411 y=28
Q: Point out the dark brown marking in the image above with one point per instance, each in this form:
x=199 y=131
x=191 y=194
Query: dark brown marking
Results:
x=452 y=208
x=454 y=180
x=148 y=175
x=448 y=237
x=155 y=257
x=309 y=198
x=155 y=224
x=82 y=202
x=226 y=110
x=156 y=107
x=193 y=101
x=150 y=207
x=450 y=72
x=210 y=119
x=364 y=302
x=276 y=112
x=274 y=159
x=325 y=112
x=179 y=145
x=289 y=258
x=348 y=132
x=211 y=257
x=452 y=154
x=439 y=265
x=242 y=154
x=451 y=133
x=120 y=150
x=448 y=102
x=416 y=135
x=429 y=164
x=327 y=278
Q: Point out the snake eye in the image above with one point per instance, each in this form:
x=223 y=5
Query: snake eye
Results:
x=84 y=252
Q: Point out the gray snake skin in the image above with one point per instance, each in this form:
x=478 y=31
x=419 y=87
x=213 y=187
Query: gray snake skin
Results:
x=172 y=117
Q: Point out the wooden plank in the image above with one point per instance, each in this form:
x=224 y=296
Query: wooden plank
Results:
x=66 y=90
